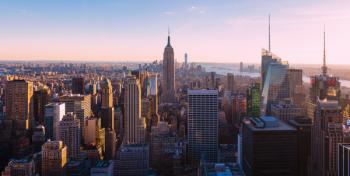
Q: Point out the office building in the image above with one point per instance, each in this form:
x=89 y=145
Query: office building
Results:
x=111 y=140
x=326 y=134
x=146 y=109
x=54 y=158
x=286 y=111
x=41 y=98
x=239 y=108
x=303 y=126
x=253 y=100
x=134 y=123
x=20 y=167
x=79 y=167
x=168 y=74
x=132 y=160
x=153 y=97
x=19 y=103
x=343 y=157
x=53 y=114
x=69 y=133
x=276 y=86
x=80 y=105
x=102 y=168
x=93 y=134
x=202 y=125
x=230 y=82
x=78 y=85
x=162 y=145
x=295 y=77
x=324 y=86
x=269 y=147
x=267 y=58
x=38 y=137
x=107 y=109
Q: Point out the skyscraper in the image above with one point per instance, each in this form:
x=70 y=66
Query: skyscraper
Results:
x=295 y=77
x=40 y=99
x=78 y=85
x=153 y=93
x=326 y=134
x=276 y=86
x=269 y=147
x=80 y=105
x=19 y=103
x=168 y=76
x=107 y=109
x=202 y=125
x=134 y=123
x=324 y=86
x=343 y=159
x=93 y=134
x=69 y=132
x=230 y=82
x=253 y=100
x=54 y=158
x=303 y=127
x=53 y=114
x=110 y=144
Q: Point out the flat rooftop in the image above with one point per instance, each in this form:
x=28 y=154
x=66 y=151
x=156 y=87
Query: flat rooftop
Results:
x=202 y=92
x=268 y=123
x=102 y=164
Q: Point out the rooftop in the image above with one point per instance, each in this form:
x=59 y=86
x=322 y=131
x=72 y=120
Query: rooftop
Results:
x=102 y=164
x=328 y=104
x=202 y=92
x=268 y=123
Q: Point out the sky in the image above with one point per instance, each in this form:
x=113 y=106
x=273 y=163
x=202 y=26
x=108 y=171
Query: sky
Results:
x=208 y=30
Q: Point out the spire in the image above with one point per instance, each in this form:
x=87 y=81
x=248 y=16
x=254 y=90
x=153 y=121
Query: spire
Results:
x=269 y=33
x=324 y=67
x=168 y=36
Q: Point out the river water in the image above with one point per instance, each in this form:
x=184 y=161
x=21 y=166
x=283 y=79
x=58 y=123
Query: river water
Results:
x=223 y=69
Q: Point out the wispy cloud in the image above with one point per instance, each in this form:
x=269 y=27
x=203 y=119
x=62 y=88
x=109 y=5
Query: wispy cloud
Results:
x=168 y=13
x=196 y=9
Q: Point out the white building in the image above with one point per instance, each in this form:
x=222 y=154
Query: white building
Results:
x=54 y=113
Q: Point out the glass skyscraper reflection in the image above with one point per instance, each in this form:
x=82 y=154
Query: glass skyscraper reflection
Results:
x=276 y=85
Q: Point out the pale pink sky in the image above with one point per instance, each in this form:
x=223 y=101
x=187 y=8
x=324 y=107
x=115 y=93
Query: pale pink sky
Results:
x=220 y=31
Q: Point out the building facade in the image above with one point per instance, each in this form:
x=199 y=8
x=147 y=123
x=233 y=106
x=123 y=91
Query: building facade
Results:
x=69 y=133
x=202 y=125
x=78 y=85
x=53 y=114
x=54 y=158
x=168 y=75
x=269 y=147
x=134 y=123
x=19 y=103
x=326 y=134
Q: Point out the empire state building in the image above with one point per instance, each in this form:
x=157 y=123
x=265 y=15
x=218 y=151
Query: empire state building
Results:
x=168 y=78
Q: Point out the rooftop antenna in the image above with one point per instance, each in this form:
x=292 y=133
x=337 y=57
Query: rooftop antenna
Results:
x=269 y=33
x=168 y=36
x=324 y=67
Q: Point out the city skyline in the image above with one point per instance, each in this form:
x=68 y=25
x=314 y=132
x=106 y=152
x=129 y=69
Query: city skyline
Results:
x=227 y=31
